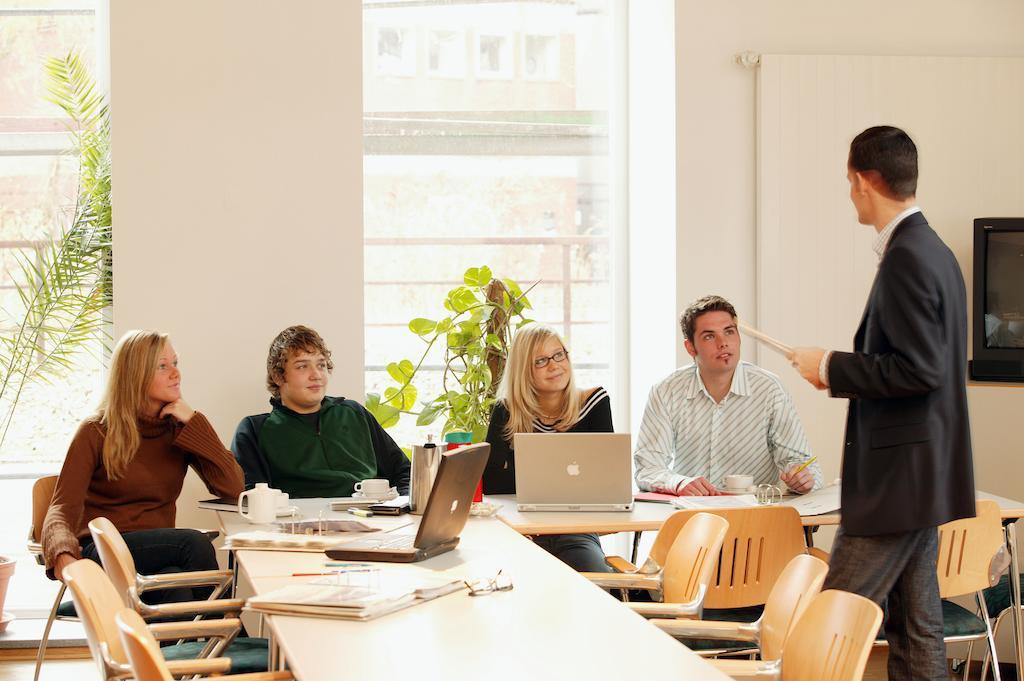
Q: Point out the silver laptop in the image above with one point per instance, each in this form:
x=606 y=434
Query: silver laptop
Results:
x=444 y=516
x=573 y=471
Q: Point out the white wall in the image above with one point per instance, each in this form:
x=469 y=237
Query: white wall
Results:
x=237 y=153
x=716 y=146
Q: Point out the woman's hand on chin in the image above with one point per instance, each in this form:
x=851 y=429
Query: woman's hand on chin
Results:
x=179 y=409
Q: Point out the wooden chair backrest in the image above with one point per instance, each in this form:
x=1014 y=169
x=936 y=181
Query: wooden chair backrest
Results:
x=691 y=560
x=667 y=534
x=96 y=602
x=42 y=494
x=796 y=587
x=832 y=640
x=116 y=558
x=966 y=548
x=760 y=543
x=143 y=651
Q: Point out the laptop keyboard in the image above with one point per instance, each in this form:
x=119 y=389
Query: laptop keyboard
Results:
x=399 y=541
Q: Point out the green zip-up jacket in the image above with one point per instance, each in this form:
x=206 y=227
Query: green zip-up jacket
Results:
x=283 y=448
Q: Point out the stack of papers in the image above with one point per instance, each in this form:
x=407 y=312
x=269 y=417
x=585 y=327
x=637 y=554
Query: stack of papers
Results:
x=724 y=501
x=285 y=541
x=351 y=602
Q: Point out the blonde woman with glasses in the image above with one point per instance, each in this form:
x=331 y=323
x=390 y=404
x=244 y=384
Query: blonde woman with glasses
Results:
x=127 y=463
x=538 y=395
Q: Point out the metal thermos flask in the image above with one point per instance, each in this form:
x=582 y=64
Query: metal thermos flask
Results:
x=425 y=461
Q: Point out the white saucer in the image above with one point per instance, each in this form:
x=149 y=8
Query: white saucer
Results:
x=388 y=496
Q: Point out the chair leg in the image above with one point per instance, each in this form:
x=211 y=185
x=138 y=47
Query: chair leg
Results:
x=990 y=635
x=995 y=633
x=41 y=655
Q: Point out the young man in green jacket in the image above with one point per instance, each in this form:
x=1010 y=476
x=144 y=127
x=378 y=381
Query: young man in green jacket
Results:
x=309 y=444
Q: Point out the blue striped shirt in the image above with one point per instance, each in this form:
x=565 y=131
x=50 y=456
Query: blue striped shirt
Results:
x=685 y=434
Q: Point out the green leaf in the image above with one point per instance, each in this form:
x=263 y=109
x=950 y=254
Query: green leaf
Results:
x=478 y=277
x=401 y=372
x=444 y=325
x=461 y=299
x=430 y=414
x=386 y=416
x=422 y=327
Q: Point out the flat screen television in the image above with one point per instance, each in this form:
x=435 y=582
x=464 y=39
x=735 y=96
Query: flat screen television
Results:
x=998 y=300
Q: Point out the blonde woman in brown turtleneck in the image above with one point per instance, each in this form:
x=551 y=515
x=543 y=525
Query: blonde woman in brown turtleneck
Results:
x=128 y=462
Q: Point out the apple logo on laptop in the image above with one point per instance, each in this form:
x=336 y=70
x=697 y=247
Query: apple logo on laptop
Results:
x=573 y=469
x=455 y=505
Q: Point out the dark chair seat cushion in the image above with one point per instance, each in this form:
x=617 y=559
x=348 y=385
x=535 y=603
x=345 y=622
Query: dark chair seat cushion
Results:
x=997 y=598
x=247 y=654
x=959 y=621
x=66 y=609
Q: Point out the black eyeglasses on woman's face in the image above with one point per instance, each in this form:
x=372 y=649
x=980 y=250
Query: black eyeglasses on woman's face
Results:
x=558 y=358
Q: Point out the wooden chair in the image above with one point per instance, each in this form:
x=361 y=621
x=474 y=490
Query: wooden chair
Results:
x=97 y=602
x=968 y=548
x=42 y=493
x=760 y=543
x=120 y=566
x=689 y=565
x=147 y=663
x=831 y=641
x=792 y=593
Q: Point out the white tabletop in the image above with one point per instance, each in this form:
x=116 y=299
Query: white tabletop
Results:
x=650 y=515
x=554 y=624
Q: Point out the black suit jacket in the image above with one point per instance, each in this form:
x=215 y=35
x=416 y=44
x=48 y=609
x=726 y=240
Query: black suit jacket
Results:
x=907 y=463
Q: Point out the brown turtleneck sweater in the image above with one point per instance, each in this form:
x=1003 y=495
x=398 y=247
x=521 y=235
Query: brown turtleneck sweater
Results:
x=144 y=498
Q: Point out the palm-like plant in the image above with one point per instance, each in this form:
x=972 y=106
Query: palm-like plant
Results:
x=64 y=290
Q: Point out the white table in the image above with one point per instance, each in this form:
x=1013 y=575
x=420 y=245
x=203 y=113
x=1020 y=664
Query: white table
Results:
x=650 y=516
x=554 y=624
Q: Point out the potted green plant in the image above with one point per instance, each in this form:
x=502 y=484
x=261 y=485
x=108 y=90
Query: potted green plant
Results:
x=482 y=314
x=65 y=288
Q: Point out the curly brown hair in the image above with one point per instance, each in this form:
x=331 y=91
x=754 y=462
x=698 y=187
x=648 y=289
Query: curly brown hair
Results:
x=293 y=339
x=688 y=320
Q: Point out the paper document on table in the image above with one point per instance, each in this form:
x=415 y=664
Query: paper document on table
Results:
x=723 y=501
x=282 y=541
x=343 y=601
x=824 y=500
x=774 y=344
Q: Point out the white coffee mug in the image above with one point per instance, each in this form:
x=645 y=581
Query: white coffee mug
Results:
x=373 y=488
x=739 y=482
x=261 y=504
x=280 y=499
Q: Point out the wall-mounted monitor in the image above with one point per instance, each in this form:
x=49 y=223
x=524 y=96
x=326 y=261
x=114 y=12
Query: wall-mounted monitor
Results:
x=998 y=300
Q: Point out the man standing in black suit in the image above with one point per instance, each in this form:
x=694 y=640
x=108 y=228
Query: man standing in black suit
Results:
x=907 y=464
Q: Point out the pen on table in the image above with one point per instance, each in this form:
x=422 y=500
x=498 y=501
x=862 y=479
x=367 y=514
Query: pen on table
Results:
x=361 y=512
x=806 y=464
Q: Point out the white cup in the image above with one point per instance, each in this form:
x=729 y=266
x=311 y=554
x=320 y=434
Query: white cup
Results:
x=374 y=488
x=261 y=504
x=739 y=482
x=280 y=499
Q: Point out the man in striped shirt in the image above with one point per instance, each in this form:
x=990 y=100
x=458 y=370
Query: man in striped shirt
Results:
x=720 y=416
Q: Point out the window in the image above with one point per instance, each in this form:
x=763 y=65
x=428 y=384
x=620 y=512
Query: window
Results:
x=494 y=56
x=38 y=184
x=505 y=164
x=446 y=55
x=396 y=52
x=540 y=57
